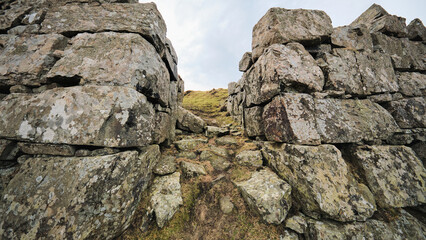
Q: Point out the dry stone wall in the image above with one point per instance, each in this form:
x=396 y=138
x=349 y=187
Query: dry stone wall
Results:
x=343 y=113
x=88 y=91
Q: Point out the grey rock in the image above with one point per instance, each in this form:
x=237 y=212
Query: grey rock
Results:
x=226 y=141
x=226 y=205
x=290 y=118
x=171 y=60
x=385 y=97
x=12 y=17
x=416 y=30
x=188 y=155
x=166 y=197
x=96 y=152
x=24 y=30
x=45 y=87
x=321 y=181
x=420 y=149
x=268 y=195
x=297 y=223
x=253 y=121
x=212 y=131
x=117 y=59
x=83 y=115
x=409 y=113
x=20 y=89
x=166 y=165
x=289 y=235
x=412 y=83
x=352 y=37
x=46 y=149
x=143 y=19
x=281 y=67
x=8 y=150
x=393 y=173
x=280 y=25
x=188 y=121
x=192 y=169
x=245 y=62
x=34 y=17
x=163 y=127
x=317 y=50
x=55 y=196
x=350 y=121
x=6 y=174
x=26 y=60
x=250 y=158
x=217 y=161
x=189 y=144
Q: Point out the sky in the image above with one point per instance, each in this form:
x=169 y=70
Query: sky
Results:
x=211 y=36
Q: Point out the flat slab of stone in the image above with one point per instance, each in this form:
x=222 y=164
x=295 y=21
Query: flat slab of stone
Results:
x=281 y=26
x=268 y=195
x=217 y=161
x=55 y=196
x=141 y=18
x=416 y=30
x=290 y=118
x=226 y=141
x=188 y=121
x=393 y=173
x=12 y=17
x=46 y=149
x=409 y=112
x=250 y=158
x=166 y=197
x=253 y=121
x=212 y=131
x=350 y=121
x=192 y=169
x=352 y=37
x=320 y=179
x=245 y=62
x=82 y=115
x=189 y=144
x=114 y=59
x=8 y=150
x=166 y=165
x=412 y=83
x=281 y=67
x=26 y=60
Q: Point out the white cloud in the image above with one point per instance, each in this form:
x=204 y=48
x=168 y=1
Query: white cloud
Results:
x=211 y=36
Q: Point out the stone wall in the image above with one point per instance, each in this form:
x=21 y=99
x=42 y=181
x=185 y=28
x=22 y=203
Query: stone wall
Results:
x=343 y=113
x=88 y=91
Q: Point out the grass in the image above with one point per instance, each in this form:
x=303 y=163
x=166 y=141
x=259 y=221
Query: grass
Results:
x=207 y=105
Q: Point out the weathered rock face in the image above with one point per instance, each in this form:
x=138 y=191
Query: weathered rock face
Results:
x=409 y=113
x=282 y=26
x=393 y=173
x=416 y=30
x=89 y=115
x=59 y=197
x=188 y=121
x=321 y=181
x=354 y=38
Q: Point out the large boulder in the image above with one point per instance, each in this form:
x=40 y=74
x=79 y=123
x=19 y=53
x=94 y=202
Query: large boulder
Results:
x=416 y=30
x=118 y=59
x=290 y=118
x=75 y=197
x=394 y=174
x=253 y=121
x=268 y=195
x=141 y=18
x=281 y=25
x=321 y=181
x=409 y=112
x=26 y=60
x=352 y=37
x=350 y=121
x=81 y=115
x=281 y=67
x=188 y=121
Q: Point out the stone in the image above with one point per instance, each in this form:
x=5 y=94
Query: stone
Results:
x=393 y=173
x=297 y=223
x=267 y=195
x=352 y=37
x=412 y=84
x=220 y=151
x=171 y=60
x=114 y=59
x=166 y=165
x=385 y=97
x=188 y=155
x=359 y=73
x=281 y=26
x=12 y=17
x=188 y=121
x=404 y=227
x=26 y=60
x=6 y=174
x=166 y=197
x=46 y=149
x=321 y=181
x=245 y=62
x=405 y=54
x=416 y=30
x=192 y=169
x=281 y=67
x=350 y=121
x=378 y=20
x=212 y=131
x=189 y=144
x=8 y=150
x=218 y=162
x=408 y=113
x=45 y=87
x=253 y=121
x=250 y=158
x=290 y=118
x=289 y=235
x=20 y=89
x=226 y=141
x=162 y=131
x=26 y=30
x=74 y=197
x=140 y=18
x=83 y=115
x=226 y=205
x=420 y=149
x=317 y=50
x=96 y=152
x=34 y=17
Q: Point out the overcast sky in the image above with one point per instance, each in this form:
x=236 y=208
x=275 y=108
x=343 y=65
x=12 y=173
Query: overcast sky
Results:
x=210 y=36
